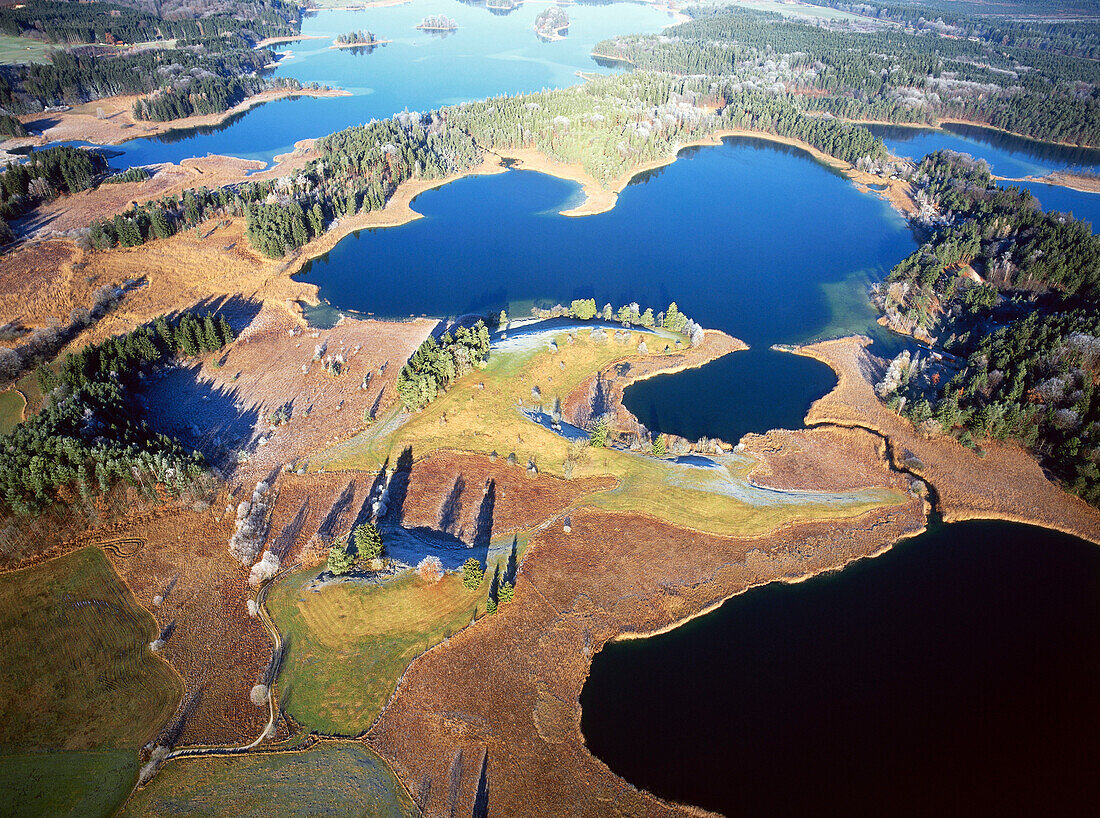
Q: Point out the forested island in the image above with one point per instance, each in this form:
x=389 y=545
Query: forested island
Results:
x=552 y=23
x=437 y=22
x=357 y=39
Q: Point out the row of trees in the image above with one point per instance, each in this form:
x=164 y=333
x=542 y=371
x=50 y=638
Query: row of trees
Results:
x=121 y=358
x=71 y=24
x=75 y=77
x=44 y=175
x=90 y=434
x=437 y=364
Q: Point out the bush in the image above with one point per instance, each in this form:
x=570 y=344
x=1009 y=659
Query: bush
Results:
x=430 y=569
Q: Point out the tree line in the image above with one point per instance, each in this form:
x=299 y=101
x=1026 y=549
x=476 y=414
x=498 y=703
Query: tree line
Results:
x=882 y=75
x=47 y=173
x=90 y=435
x=1013 y=293
x=437 y=364
x=71 y=24
x=207 y=62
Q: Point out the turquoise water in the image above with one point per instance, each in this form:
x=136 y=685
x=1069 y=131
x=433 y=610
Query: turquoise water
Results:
x=488 y=55
x=751 y=237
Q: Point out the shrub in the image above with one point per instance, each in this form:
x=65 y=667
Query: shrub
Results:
x=430 y=569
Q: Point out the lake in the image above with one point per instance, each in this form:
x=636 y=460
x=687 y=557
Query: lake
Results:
x=752 y=237
x=958 y=674
x=1012 y=157
x=488 y=55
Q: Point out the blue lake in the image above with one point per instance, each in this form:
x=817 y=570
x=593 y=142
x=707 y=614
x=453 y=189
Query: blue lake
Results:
x=488 y=55
x=751 y=237
x=1012 y=157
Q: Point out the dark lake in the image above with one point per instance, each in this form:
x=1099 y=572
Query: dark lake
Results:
x=958 y=674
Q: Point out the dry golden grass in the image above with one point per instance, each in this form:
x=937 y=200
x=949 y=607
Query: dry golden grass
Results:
x=1005 y=482
x=510 y=685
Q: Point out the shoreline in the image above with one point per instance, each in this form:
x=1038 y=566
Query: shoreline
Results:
x=598 y=199
x=630 y=636
x=121 y=127
x=293 y=38
x=997 y=486
x=1059 y=178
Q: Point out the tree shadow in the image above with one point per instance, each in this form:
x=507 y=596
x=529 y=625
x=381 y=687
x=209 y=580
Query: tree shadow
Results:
x=366 y=510
x=512 y=567
x=238 y=310
x=201 y=415
x=399 y=486
x=451 y=509
x=286 y=538
x=481 y=797
x=483 y=528
x=331 y=524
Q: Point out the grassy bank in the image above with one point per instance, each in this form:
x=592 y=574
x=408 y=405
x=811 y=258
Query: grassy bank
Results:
x=75 y=668
x=89 y=784
x=334 y=778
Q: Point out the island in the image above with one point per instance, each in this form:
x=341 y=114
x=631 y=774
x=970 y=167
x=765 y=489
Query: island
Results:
x=437 y=22
x=358 y=39
x=552 y=24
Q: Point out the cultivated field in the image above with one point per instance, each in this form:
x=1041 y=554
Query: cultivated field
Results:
x=350 y=642
x=75 y=668
x=333 y=778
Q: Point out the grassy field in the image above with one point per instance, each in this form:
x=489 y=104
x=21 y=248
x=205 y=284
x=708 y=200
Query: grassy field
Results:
x=75 y=669
x=83 y=784
x=21 y=49
x=334 y=778
x=349 y=643
x=796 y=10
x=488 y=419
x=11 y=410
